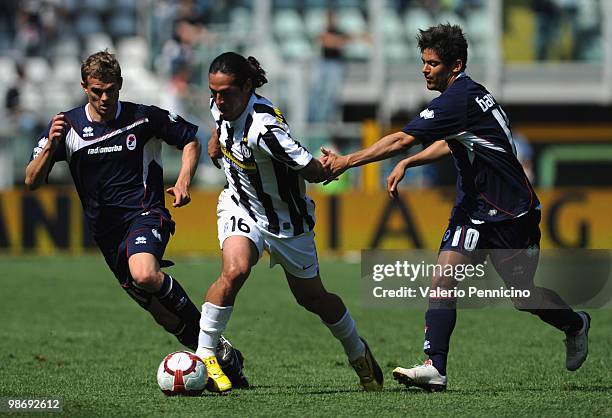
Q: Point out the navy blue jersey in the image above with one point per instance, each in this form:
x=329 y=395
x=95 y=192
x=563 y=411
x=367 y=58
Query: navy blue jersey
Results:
x=116 y=165
x=491 y=183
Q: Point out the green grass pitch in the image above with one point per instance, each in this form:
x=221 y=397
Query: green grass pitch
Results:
x=69 y=331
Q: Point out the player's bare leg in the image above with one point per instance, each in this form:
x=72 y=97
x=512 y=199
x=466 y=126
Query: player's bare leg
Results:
x=440 y=321
x=312 y=295
x=239 y=255
x=163 y=297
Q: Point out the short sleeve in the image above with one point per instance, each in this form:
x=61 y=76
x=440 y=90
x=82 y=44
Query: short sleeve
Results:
x=277 y=142
x=172 y=128
x=440 y=119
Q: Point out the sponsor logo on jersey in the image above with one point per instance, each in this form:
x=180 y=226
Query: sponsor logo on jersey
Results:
x=130 y=142
x=486 y=102
x=140 y=240
x=104 y=150
x=87 y=132
x=427 y=114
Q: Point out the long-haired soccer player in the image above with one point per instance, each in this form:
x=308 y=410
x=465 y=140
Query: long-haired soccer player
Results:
x=264 y=207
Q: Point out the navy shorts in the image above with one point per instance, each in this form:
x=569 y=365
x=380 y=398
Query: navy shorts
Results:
x=477 y=240
x=146 y=233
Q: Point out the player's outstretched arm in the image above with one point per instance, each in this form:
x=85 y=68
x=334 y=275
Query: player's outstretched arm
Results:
x=315 y=172
x=384 y=148
x=432 y=153
x=190 y=158
x=38 y=168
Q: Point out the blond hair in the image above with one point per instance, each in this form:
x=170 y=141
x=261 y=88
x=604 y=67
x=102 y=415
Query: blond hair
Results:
x=102 y=65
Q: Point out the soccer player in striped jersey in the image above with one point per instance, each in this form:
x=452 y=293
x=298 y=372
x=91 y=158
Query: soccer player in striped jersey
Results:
x=113 y=150
x=496 y=211
x=264 y=207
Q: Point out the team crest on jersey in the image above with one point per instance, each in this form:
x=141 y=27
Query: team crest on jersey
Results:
x=87 y=132
x=245 y=150
x=131 y=142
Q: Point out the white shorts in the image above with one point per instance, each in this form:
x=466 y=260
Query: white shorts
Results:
x=297 y=255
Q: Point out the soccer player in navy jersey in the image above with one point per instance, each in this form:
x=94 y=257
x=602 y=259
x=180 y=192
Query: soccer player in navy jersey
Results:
x=496 y=207
x=113 y=149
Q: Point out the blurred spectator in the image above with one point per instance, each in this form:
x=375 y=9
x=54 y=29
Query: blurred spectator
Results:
x=8 y=23
x=20 y=120
x=176 y=93
x=189 y=46
x=587 y=39
x=328 y=75
x=37 y=27
x=548 y=19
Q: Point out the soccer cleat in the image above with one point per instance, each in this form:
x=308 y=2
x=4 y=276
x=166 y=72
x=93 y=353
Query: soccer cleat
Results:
x=232 y=363
x=424 y=376
x=217 y=380
x=577 y=345
x=369 y=372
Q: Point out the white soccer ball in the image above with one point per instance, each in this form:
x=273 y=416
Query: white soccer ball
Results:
x=182 y=373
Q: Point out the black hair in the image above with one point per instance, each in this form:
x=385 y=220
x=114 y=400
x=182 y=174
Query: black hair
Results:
x=240 y=67
x=448 y=41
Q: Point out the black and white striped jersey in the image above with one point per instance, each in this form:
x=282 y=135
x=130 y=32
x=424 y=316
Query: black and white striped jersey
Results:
x=262 y=163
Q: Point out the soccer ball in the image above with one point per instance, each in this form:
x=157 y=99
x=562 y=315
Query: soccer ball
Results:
x=182 y=373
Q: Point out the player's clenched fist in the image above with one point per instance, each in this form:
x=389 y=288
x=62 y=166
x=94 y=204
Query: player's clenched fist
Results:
x=58 y=129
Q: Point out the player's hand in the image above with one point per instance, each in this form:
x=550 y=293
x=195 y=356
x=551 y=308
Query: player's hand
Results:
x=57 y=132
x=180 y=193
x=336 y=164
x=394 y=178
x=214 y=149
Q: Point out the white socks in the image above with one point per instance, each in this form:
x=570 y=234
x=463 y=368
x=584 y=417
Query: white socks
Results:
x=212 y=323
x=346 y=332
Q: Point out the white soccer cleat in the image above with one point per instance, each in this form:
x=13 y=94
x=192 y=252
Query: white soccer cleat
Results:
x=577 y=345
x=424 y=376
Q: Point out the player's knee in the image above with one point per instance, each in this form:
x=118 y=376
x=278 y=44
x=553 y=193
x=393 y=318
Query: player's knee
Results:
x=442 y=282
x=149 y=280
x=234 y=274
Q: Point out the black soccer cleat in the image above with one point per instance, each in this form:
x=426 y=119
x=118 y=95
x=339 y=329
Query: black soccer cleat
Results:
x=232 y=363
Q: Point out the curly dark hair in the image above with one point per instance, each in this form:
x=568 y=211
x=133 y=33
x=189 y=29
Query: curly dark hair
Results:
x=240 y=67
x=102 y=65
x=448 y=41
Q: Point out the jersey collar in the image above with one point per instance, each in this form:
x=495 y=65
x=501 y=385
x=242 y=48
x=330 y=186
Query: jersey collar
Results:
x=117 y=112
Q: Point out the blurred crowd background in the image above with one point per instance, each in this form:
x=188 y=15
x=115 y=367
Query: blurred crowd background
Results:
x=343 y=71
